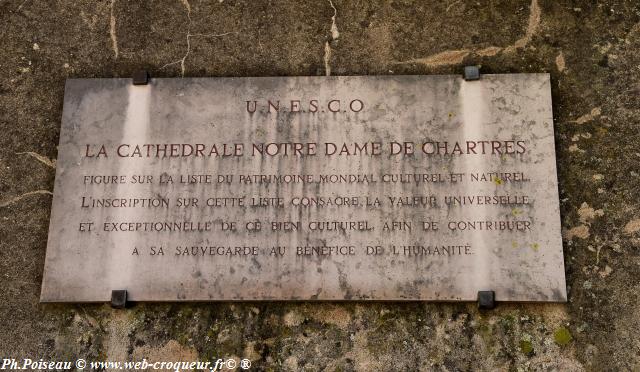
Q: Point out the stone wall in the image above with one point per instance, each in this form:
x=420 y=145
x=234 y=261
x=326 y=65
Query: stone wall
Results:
x=591 y=51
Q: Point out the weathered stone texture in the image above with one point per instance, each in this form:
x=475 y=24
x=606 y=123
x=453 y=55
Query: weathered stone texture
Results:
x=590 y=49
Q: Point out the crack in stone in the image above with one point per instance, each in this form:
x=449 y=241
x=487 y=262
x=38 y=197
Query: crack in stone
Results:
x=112 y=29
x=532 y=26
x=43 y=159
x=334 y=29
x=23 y=196
x=560 y=62
x=335 y=34
x=595 y=112
x=454 y=57
x=451 y=5
x=327 y=59
x=489 y=51
x=187 y=6
x=21 y=5
x=449 y=57
x=189 y=36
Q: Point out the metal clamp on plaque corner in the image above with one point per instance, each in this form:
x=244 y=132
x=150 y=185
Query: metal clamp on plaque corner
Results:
x=486 y=300
x=141 y=77
x=119 y=298
x=471 y=73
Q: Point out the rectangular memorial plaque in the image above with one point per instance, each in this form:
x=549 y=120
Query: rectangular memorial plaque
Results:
x=306 y=188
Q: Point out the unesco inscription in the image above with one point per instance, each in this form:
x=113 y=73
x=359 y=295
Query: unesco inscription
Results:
x=306 y=188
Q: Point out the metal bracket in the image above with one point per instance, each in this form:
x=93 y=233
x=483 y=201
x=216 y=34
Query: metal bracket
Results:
x=486 y=300
x=140 y=77
x=471 y=73
x=119 y=298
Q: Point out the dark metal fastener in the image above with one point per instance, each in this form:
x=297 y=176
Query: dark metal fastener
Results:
x=119 y=298
x=140 y=77
x=486 y=300
x=471 y=73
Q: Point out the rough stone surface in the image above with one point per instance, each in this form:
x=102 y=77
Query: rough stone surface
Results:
x=595 y=86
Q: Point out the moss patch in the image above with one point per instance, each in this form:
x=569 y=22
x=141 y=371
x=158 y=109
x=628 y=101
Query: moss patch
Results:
x=562 y=336
x=526 y=347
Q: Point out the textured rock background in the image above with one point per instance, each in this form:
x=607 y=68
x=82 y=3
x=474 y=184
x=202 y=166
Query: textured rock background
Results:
x=591 y=50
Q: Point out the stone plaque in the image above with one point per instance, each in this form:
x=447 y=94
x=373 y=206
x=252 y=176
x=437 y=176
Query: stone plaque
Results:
x=306 y=188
